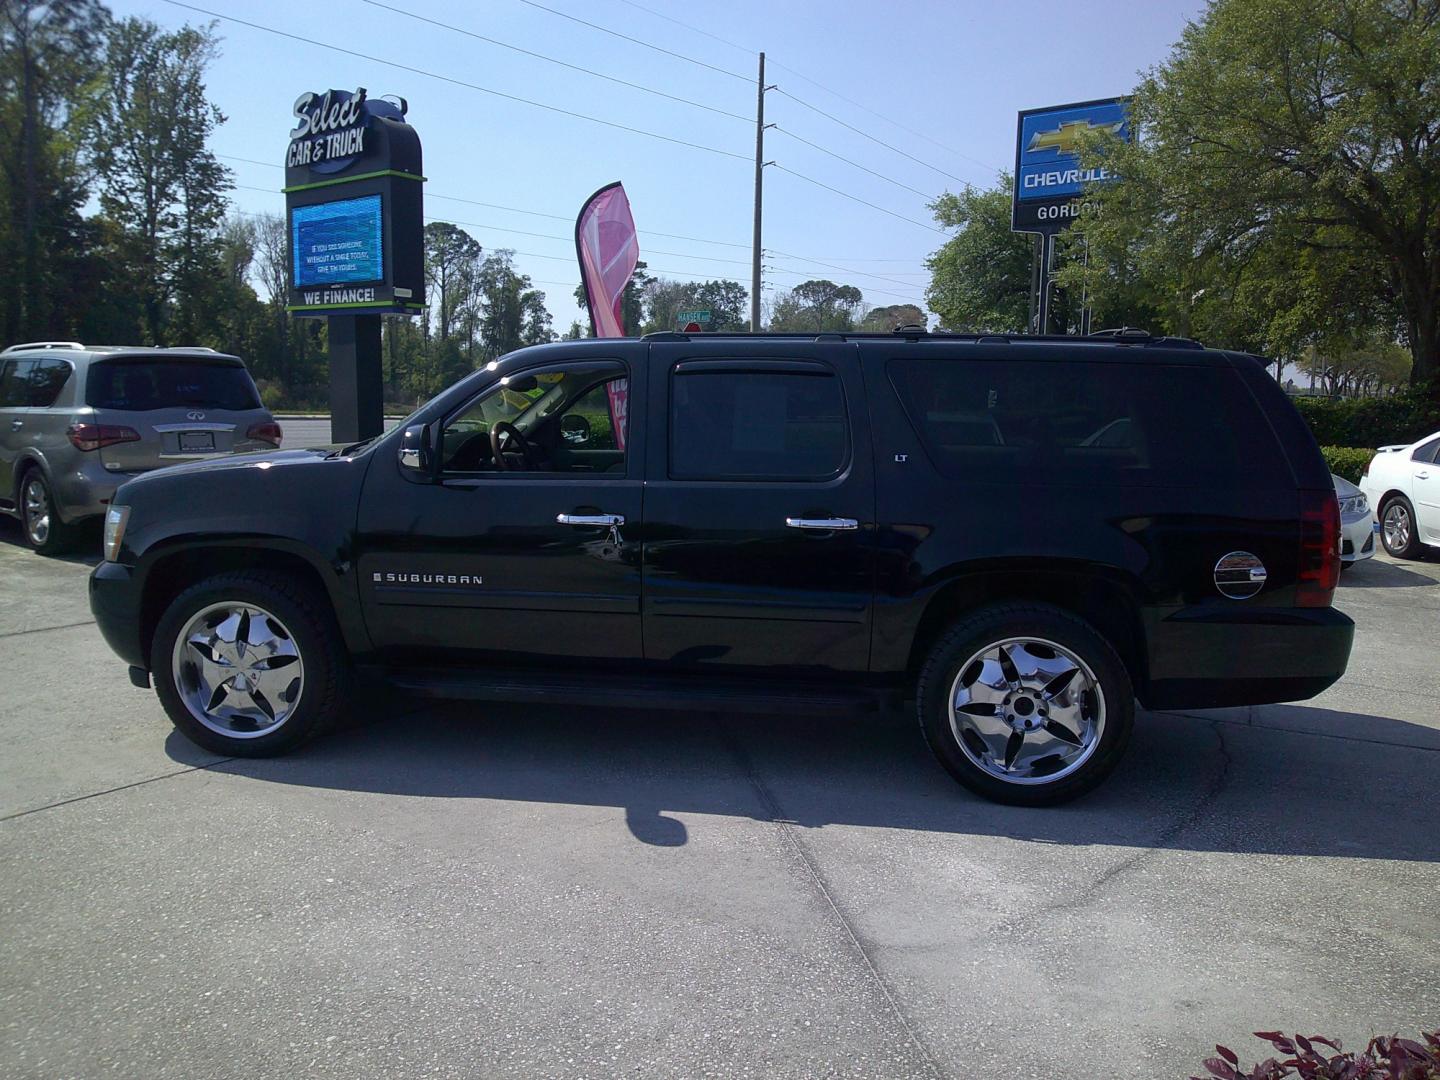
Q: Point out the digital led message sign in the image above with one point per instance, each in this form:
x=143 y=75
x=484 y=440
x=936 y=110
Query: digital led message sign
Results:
x=337 y=242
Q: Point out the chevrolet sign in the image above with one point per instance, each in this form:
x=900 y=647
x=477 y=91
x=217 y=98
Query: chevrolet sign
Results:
x=1049 y=179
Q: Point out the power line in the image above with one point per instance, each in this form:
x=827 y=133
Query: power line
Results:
x=652 y=251
x=498 y=206
x=855 y=198
x=800 y=75
x=636 y=41
x=845 y=269
x=688 y=26
x=888 y=120
x=883 y=292
x=857 y=131
x=560 y=63
x=457 y=82
x=854 y=164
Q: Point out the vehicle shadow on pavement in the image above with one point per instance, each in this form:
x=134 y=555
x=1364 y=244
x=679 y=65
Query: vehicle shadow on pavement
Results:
x=1338 y=788
x=1376 y=574
x=86 y=551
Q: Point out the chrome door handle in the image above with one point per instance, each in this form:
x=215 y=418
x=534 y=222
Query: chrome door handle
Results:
x=16 y=425
x=829 y=524
x=1418 y=475
x=601 y=520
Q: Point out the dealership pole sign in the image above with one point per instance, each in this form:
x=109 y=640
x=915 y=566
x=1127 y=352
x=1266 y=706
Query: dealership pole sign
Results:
x=1050 y=180
x=354 y=209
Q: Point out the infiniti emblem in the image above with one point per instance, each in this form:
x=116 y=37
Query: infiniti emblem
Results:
x=194 y=416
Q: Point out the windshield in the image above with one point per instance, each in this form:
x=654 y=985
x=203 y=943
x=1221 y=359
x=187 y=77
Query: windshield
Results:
x=143 y=385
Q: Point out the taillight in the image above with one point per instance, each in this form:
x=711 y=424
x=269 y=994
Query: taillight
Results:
x=1319 y=549
x=267 y=432
x=94 y=436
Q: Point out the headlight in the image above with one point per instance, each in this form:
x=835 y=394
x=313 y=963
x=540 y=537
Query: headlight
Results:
x=1356 y=504
x=116 y=518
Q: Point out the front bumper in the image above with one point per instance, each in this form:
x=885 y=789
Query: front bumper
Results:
x=1358 y=537
x=1209 y=657
x=115 y=603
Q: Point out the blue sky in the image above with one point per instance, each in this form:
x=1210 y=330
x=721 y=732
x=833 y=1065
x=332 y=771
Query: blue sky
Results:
x=956 y=72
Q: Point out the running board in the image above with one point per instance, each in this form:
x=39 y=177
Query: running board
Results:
x=642 y=692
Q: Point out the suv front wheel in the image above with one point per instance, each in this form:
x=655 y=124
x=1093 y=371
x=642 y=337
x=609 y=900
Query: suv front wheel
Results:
x=1025 y=704
x=249 y=663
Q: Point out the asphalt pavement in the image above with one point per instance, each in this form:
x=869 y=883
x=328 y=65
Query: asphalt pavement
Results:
x=477 y=890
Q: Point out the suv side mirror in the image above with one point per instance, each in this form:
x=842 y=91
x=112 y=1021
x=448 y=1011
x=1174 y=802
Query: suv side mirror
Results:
x=575 y=428
x=417 y=451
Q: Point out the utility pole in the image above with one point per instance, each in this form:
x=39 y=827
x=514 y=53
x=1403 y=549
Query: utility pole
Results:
x=759 y=192
x=1047 y=269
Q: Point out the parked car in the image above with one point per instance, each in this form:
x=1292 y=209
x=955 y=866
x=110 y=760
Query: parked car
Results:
x=818 y=524
x=1403 y=484
x=77 y=421
x=1358 y=527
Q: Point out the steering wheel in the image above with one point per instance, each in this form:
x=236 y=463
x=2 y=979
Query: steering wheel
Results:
x=516 y=438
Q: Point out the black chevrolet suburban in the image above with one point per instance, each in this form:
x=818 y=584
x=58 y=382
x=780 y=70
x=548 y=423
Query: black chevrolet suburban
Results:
x=1023 y=535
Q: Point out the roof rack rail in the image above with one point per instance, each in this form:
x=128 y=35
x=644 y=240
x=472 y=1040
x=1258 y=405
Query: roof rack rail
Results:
x=1122 y=332
x=188 y=348
x=44 y=345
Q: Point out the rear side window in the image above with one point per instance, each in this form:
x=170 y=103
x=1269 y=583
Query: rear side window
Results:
x=756 y=425
x=32 y=384
x=1426 y=452
x=14 y=379
x=47 y=379
x=143 y=385
x=1081 y=421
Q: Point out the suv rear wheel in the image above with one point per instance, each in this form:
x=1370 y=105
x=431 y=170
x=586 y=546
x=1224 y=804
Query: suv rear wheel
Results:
x=250 y=663
x=1025 y=704
x=44 y=531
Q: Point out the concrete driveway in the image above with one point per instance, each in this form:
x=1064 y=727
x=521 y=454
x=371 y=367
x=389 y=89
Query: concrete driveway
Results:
x=476 y=891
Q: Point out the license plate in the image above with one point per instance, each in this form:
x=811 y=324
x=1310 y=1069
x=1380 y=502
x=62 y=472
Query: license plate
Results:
x=197 y=440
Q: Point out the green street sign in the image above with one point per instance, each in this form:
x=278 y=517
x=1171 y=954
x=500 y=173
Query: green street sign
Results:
x=701 y=316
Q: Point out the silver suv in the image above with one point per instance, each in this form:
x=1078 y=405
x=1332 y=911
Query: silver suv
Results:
x=77 y=421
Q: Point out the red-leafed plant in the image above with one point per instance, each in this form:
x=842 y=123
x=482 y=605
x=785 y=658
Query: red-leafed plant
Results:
x=1390 y=1058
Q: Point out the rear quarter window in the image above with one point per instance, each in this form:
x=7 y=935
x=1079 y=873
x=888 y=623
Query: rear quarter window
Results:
x=145 y=385
x=1085 y=421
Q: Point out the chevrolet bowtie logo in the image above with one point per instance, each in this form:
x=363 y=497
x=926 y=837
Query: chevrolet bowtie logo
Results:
x=1066 y=138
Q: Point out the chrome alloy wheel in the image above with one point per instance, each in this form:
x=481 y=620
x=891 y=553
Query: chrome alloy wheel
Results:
x=1396 y=526
x=237 y=669
x=1027 y=711
x=37 y=511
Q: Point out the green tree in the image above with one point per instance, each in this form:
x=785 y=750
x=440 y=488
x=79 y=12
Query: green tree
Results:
x=47 y=87
x=453 y=260
x=885 y=319
x=1287 y=177
x=632 y=304
x=817 y=305
x=515 y=313
x=1355 y=367
x=664 y=299
x=980 y=278
x=159 y=181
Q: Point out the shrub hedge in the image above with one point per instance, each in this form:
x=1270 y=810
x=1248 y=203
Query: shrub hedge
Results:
x=1347 y=461
x=1402 y=418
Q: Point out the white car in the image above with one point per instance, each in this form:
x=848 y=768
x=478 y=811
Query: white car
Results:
x=1403 y=485
x=1358 y=527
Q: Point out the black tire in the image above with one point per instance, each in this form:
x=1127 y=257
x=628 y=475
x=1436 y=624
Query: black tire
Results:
x=992 y=625
x=55 y=537
x=304 y=612
x=1413 y=548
